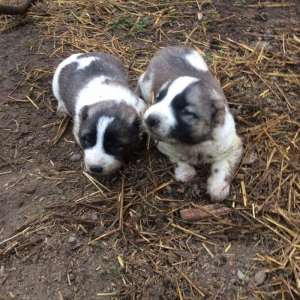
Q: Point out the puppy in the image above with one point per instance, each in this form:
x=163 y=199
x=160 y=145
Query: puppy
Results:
x=93 y=89
x=190 y=118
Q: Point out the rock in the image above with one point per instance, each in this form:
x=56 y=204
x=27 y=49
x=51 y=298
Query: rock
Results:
x=71 y=276
x=240 y=275
x=66 y=294
x=72 y=240
x=75 y=288
x=260 y=277
x=2 y=271
x=94 y=217
x=75 y=157
x=172 y=258
x=29 y=189
x=250 y=158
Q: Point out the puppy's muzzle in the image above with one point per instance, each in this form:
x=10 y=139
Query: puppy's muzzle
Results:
x=95 y=169
x=152 y=120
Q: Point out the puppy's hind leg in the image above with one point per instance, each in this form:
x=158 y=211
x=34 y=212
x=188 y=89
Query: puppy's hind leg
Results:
x=61 y=109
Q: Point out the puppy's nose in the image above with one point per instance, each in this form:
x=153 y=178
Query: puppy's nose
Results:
x=95 y=169
x=152 y=120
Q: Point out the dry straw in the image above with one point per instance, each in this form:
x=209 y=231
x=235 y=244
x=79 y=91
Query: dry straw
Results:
x=262 y=84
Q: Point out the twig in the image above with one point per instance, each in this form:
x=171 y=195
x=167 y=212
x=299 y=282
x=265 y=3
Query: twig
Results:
x=121 y=204
x=204 y=212
x=190 y=282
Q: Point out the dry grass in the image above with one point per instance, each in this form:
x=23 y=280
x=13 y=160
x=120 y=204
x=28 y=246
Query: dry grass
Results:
x=262 y=84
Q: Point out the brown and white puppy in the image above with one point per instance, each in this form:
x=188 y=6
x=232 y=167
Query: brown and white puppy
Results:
x=93 y=89
x=190 y=118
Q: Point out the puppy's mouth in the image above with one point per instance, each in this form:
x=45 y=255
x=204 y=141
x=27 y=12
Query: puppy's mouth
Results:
x=98 y=170
x=95 y=170
x=159 y=138
x=154 y=134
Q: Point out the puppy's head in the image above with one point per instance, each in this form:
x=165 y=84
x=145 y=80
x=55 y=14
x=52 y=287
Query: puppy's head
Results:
x=108 y=133
x=185 y=111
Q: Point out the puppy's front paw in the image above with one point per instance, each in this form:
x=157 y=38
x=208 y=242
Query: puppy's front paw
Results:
x=217 y=188
x=185 y=172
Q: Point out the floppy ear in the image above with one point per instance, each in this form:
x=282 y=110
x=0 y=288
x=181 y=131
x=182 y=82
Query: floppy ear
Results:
x=137 y=123
x=218 y=106
x=83 y=113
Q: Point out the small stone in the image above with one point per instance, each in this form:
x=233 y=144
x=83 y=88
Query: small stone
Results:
x=71 y=276
x=75 y=288
x=172 y=258
x=240 y=275
x=268 y=31
x=270 y=100
x=67 y=293
x=260 y=277
x=72 y=240
x=29 y=189
x=94 y=217
x=168 y=189
x=1 y=271
x=75 y=157
x=250 y=158
x=78 y=245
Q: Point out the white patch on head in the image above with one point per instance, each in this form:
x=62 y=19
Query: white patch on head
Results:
x=97 y=90
x=85 y=61
x=163 y=109
x=96 y=156
x=197 y=61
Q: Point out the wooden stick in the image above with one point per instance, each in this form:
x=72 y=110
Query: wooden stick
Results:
x=204 y=212
x=121 y=204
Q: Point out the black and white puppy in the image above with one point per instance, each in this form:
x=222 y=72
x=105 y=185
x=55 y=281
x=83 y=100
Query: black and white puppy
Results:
x=190 y=117
x=93 y=89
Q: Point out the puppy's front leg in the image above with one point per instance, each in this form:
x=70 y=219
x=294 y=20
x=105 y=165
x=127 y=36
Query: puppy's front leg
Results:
x=218 y=184
x=185 y=172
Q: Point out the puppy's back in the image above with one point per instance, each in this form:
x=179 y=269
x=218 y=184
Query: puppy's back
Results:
x=75 y=72
x=173 y=62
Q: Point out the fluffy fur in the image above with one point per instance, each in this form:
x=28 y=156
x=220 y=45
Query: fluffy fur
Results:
x=190 y=117
x=93 y=89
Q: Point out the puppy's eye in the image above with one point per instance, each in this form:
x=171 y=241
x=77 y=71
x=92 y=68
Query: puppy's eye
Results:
x=183 y=111
x=118 y=147
x=88 y=140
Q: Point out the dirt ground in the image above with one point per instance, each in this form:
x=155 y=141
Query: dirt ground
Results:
x=67 y=235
